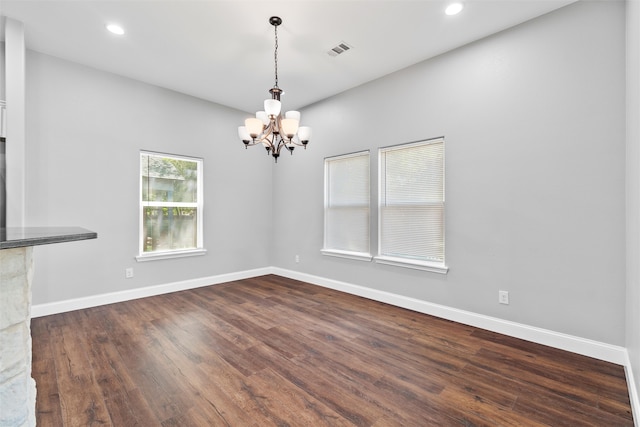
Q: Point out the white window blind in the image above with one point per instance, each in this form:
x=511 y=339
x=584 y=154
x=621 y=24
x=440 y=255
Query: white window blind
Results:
x=411 y=205
x=346 y=206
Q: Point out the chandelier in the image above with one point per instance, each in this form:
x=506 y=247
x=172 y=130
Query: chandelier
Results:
x=269 y=127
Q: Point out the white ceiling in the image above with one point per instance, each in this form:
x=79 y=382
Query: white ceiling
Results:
x=222 y=51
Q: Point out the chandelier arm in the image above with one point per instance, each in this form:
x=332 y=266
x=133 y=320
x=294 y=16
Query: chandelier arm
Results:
x=296 y=143
x=264 y=135
x=265 y=141
x=281 y=144
x=252 y=143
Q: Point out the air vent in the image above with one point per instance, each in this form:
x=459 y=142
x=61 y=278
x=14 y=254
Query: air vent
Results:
x=340 y=48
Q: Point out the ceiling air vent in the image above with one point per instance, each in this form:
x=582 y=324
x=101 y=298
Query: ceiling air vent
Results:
x=340 y=48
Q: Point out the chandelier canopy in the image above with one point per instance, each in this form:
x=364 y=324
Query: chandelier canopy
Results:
x=269 y=127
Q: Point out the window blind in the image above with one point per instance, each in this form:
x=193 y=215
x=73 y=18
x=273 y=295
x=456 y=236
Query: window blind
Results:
x=346 y=203
x=411 y=201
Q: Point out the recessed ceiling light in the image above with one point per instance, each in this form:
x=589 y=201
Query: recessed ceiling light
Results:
x=454 y=8
x=115 y=29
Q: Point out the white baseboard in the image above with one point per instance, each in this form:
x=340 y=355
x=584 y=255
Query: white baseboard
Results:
x=39 y=310
x=633 y=392
x=595 y=349
x=586 y=347
x=598 y=350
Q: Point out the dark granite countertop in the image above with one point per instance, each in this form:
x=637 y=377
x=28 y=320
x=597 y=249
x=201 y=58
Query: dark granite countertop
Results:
x=18 y=237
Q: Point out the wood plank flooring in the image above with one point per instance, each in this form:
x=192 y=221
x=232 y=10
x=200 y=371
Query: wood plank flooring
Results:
x=271 y=351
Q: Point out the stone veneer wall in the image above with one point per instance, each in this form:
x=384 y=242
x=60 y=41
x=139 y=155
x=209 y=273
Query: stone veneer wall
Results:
x=17 y=388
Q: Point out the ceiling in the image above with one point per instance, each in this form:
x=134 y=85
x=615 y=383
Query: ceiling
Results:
x=223 y=51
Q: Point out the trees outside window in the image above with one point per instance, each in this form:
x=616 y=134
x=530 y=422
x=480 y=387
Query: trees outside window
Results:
x=170 y=203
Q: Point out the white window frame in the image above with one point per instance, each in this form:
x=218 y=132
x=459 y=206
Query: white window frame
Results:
x=199 y=205
x=341 y=252
x=399 y=261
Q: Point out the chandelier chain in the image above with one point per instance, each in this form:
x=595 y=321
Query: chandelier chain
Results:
x=275 y=55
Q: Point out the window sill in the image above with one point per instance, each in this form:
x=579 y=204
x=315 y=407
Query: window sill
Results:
x=358 y=256
x=170 y=254
x=417 y=265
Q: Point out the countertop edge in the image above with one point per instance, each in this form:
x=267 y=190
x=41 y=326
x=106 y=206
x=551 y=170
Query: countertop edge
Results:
x=44 y=236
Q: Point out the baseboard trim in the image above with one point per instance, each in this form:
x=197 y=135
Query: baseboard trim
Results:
x=586 y=347
x=39 y=310
x=633 y=392
x=598 y=350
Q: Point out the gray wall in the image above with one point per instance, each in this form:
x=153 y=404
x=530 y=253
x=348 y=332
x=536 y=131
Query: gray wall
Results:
x=2 y=89
x=633 y=188
x=84 y=132
x=534 y=121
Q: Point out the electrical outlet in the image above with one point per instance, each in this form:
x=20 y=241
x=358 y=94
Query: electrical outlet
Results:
x=297 y=259
x=128 y=273
x=503 y=297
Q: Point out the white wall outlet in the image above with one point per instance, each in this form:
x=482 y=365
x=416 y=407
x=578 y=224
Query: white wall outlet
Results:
x=503 y=297
x=128 y=273
x=297 y=259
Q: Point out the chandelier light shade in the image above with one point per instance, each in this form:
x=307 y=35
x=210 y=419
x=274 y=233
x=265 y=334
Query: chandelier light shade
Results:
x=269 y=127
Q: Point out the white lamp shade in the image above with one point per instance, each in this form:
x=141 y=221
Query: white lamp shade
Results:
x=289 y=127
x=272 y=107
x=262 y=115
x=243 y=134
x=293 y=115
x=254 y=127
x=304 y=133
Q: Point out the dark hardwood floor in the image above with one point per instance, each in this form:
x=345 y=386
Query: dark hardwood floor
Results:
x=271 y=351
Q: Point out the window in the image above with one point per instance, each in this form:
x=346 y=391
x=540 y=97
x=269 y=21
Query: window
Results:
x=346 y=206
x=411 y=205
x=170 y=206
